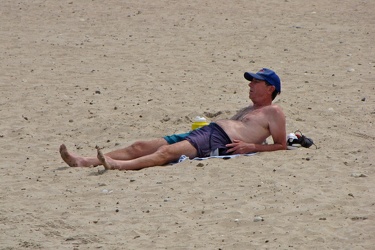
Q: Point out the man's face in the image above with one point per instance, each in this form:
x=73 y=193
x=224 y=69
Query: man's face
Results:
x=258 y=88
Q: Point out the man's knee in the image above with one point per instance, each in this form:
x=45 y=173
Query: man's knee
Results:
x=166 y=154
x=139 y=146
x=147 y=147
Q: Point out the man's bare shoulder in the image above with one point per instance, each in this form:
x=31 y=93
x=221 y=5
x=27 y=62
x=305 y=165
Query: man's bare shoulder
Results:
x=274 y=110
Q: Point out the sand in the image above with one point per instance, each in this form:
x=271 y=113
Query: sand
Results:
x=108 y=73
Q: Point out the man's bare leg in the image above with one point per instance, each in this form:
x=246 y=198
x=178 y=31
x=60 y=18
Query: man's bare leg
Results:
x=162 y=156
x=137 y=149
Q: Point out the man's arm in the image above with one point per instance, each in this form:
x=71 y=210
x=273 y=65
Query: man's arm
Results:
x=277 y=129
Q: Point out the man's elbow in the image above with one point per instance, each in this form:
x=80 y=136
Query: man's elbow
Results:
x=281 y=146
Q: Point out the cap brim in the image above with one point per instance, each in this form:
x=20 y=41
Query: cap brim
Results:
x=250 y=76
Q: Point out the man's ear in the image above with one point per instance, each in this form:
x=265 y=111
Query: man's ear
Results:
x=271 y=88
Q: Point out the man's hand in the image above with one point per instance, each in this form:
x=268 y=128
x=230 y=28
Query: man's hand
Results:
x=240 y=147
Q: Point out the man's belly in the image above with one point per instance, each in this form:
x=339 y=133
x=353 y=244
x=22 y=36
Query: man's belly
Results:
x=247 y=132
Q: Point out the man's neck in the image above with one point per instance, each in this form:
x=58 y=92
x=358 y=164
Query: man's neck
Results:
x=261 y=105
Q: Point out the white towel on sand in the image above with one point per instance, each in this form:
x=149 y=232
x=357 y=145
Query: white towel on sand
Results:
x=225 y=157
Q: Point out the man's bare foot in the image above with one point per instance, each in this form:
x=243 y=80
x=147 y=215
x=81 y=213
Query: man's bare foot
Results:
x=107 y=162
x=71 y=159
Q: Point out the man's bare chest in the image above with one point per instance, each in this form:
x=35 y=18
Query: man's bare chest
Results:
x=250 y=114
x=254 y=117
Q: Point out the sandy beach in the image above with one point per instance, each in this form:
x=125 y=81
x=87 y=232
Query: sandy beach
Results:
x=108 y=73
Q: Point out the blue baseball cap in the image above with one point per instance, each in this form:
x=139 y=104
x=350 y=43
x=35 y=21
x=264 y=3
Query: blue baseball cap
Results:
x=265 y=75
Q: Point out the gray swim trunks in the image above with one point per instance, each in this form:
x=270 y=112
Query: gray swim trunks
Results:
x=209 y=138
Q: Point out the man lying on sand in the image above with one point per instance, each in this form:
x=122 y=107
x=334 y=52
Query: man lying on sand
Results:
x=244 y=133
